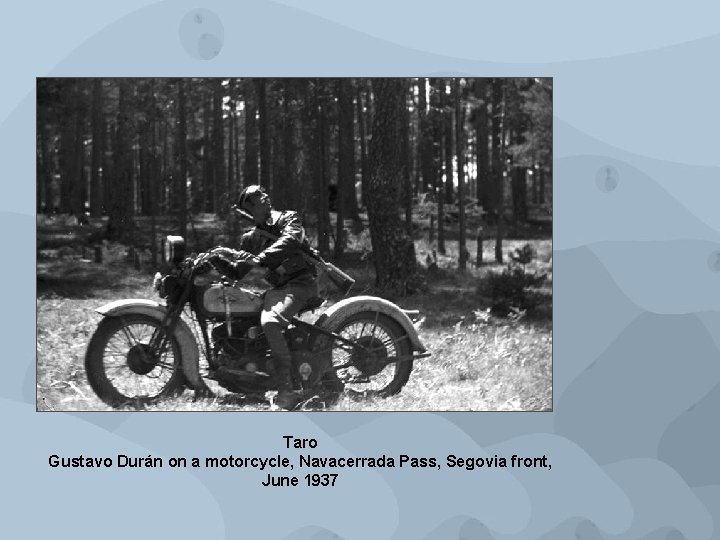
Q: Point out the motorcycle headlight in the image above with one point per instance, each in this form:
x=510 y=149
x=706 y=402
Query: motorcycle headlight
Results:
x=173 y=249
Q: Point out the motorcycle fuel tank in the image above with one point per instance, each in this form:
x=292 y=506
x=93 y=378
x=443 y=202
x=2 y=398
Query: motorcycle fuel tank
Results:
x=241 y=301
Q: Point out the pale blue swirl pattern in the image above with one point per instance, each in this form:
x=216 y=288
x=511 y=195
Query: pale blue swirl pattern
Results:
x=202 y=34
x=637 y=291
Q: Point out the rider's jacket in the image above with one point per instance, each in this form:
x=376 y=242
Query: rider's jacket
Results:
x=283 y=257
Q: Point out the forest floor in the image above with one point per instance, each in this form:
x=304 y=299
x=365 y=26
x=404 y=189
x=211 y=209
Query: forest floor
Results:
x=479 y=361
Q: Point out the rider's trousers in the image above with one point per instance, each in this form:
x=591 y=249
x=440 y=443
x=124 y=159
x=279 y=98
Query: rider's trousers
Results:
x=281 y=304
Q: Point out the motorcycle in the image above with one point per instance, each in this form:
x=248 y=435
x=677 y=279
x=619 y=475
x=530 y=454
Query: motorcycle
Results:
x=143 y=351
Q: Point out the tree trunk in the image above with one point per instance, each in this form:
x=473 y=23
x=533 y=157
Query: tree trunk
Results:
x=427 y=167
x=71 y=149
x=283 y=186
x=65 y=162
x=516 y=124
x=236 y=179
x=182 y=160
x=98 y=148
x=146 y=173
x=437 y=119
x=363 y=144
x=235 y=149
x=120 y=221
x=460 y=153
x=251 y=144
x=165 y=174
x=231 y=143
x=481 y=130
x=44 y=168
x=405 y=163
x=143 y=165
x=346 y=142
x=220 y=185
x=449 y=147
x=286 y=177
x=80 y=191
x=519 y=193
x=295 y=159
x=496 y=192
x=499 y=162
x=107 y=165
x=208 y=177
x=323 y=208
x=419 y=88
x=264 y=137
x=499 y=239
x=347 y=197
x=346 y=163
x=154 y=173
x=231 y=224
x=393 y=249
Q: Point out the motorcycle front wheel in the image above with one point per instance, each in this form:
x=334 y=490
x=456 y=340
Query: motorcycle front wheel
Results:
x=124 y=369
x=382 y=361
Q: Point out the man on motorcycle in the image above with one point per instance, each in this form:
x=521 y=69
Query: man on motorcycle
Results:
x=294 y=280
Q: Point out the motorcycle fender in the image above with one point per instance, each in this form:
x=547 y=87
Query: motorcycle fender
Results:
x=190 y=356
x=356 y=304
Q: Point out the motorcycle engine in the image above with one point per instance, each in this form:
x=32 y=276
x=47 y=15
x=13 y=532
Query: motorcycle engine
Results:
x=244 y=347
x=244 y=363
x=308 y=367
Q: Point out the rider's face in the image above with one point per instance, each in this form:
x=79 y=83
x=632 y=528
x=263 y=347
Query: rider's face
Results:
x=259 y=206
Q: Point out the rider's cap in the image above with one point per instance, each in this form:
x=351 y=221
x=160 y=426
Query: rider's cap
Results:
x=248 y=192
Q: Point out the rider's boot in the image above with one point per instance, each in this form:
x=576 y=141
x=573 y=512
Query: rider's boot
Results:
x=287 y=398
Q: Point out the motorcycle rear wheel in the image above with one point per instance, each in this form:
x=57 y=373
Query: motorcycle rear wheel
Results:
x=122 y=368
x=368 y=371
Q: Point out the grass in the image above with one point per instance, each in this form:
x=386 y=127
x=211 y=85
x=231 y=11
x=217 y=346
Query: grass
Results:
x=479 y=362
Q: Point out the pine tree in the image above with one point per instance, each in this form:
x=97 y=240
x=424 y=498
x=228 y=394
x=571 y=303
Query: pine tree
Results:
x=393 y=249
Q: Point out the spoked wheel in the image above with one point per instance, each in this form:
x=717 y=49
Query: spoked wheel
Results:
x=381 y=360
x=131 y=361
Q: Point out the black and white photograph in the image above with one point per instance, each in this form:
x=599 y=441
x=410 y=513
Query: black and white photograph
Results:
x=294 y=244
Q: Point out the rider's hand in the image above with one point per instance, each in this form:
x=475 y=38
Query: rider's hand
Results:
x=207 y=263
x=212 y=258
x=203 y=267
x=247 y=258
x=224 y=252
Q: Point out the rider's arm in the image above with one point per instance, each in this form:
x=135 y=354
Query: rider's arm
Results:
x=233 y=263
x=232 y=269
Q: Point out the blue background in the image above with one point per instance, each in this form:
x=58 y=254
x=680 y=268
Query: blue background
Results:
x=633 y=438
